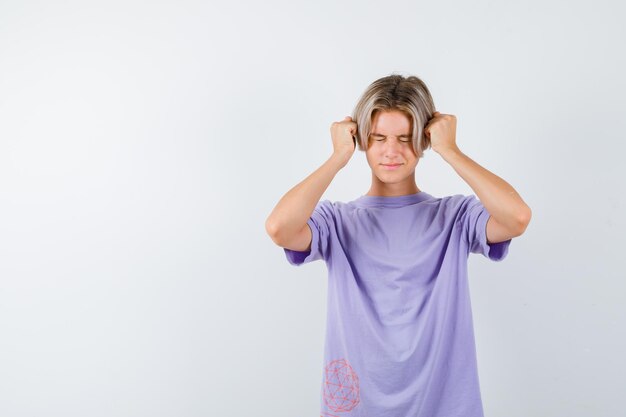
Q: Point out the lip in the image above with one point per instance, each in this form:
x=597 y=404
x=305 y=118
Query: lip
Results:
x=391 y=167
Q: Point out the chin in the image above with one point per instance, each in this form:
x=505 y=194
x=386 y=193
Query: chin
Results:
x=390 y=179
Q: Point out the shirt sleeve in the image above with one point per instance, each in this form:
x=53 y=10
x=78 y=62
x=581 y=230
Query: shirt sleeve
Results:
x=322 y=224
x=473 y=219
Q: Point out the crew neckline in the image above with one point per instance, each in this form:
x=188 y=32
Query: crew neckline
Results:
x=392 y=201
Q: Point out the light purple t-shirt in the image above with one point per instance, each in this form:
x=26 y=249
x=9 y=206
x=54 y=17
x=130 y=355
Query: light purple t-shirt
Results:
x=399 y=332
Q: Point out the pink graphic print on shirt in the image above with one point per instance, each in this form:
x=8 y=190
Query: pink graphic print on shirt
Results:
x=341 y=386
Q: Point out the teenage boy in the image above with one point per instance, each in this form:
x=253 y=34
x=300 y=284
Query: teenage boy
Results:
x=399 y=337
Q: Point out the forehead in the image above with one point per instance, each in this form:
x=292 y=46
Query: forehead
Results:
x=391 y=122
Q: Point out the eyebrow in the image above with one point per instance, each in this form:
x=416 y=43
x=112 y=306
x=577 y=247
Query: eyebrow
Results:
x=379 y=134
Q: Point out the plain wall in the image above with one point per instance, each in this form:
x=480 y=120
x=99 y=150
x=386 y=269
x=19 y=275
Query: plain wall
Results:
x=143 y=145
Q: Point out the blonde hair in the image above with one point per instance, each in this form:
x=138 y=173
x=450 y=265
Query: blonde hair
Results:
x=395 y=92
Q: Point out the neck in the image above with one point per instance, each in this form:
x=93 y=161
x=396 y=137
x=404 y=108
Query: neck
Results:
x=379 y=188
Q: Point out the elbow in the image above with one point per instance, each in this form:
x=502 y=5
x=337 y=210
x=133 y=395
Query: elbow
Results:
x=523 y=220
x=272 y=230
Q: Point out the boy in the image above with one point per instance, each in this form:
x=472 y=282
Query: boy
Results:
x=399 y=338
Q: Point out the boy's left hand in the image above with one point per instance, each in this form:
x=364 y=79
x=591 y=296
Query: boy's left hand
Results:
x=441 y=129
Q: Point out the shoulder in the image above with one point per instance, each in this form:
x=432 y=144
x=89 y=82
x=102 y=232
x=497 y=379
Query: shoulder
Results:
x=327 y=209
x=337 y=211
x=460 y=201
x=453 y=202
x=336 y=207
x=328 y=206
x=457 y=198
x=458 y=206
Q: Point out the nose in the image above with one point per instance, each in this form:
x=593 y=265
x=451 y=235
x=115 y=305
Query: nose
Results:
x=392 y=146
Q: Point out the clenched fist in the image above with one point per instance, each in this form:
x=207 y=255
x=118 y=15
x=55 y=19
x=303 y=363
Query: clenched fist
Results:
x=441 y=129
x=344 y=142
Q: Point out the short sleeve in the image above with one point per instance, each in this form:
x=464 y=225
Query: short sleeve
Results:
x=473 y=219
x=321 y=224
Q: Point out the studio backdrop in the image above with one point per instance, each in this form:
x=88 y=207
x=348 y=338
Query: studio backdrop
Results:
x=143 y=145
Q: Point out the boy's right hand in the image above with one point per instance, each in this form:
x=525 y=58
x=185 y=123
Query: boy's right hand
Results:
x=344 y=142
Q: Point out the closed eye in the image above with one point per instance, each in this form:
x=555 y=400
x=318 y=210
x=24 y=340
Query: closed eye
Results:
x=380 y=139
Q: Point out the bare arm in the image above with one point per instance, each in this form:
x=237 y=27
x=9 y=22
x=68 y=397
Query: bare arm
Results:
x=509 y=215
x=287 y=223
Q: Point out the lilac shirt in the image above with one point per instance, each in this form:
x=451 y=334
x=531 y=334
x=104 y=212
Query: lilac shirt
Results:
x=399 y=332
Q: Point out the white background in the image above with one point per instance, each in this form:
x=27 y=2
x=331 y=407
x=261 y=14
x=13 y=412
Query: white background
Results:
x=143 y=145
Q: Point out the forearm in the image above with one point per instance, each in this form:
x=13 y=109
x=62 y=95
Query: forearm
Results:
x=499 y=197
x=294 y=209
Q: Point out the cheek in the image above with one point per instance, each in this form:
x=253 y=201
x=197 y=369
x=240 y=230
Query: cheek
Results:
x=411 y=160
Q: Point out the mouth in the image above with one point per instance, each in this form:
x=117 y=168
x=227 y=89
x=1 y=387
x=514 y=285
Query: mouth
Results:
x=391 y=166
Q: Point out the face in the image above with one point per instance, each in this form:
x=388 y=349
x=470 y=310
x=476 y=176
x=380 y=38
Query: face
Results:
x=390 y=153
